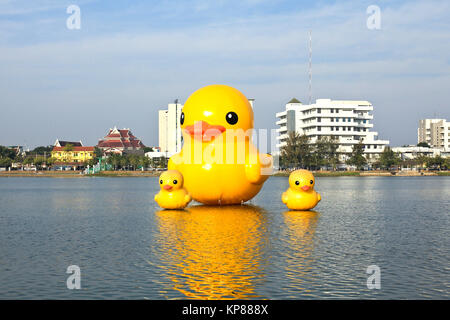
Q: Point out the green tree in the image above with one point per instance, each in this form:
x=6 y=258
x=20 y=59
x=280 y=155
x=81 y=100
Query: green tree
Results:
x=325 y=152
x=6 y=152
x=423 y=144
x=148 y=149
x=297 y=151
x=39 y=161
x=389 y=158
x=290 y=153
x=421 y=160
x=447 y=163
x=144 y=162
x=98 y=153
x=114 y=160
x=42 y=150
x=124 y=162
x=133 y=161
x=68 y=147
x=28 y=160
x=50 y=161
x=435 y=162
x=91 y=162
x=5 y=162
x=357 y=158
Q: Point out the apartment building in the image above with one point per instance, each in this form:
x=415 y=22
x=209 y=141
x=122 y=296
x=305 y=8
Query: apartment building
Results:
x=435 y=132
x=347 y=121
x=170 y=137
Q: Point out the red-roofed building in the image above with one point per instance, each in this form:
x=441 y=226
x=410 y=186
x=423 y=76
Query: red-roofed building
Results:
x=120 y=141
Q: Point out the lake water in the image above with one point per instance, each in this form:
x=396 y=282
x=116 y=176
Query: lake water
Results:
x=127 y=248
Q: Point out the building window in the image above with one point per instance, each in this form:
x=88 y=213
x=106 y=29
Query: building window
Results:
x=332 y=128
x=332 y=110
x=332 y=119
x=319 y=129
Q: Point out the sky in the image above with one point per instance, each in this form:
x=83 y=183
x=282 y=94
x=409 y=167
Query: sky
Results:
x=131 y=58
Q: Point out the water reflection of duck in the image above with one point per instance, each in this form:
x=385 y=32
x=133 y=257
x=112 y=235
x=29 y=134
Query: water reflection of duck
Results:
x=299 y=233
x=213 y=252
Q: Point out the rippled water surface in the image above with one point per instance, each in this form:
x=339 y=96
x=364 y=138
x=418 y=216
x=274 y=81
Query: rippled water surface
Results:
x=128 y=249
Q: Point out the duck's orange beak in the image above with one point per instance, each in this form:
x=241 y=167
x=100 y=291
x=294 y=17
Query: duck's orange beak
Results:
x=202 y=130
x=167 y=187
x=306 y=188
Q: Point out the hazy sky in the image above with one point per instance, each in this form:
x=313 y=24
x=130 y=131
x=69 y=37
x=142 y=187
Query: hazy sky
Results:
x=131 y=58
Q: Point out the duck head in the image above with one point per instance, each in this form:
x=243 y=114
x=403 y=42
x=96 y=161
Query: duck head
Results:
x=212 y=110
x=302 y=180
x=171 y=180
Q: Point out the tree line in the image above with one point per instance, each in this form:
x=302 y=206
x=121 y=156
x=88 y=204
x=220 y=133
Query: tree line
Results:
x=299 y=152
x=41 y=157
x=134 y=162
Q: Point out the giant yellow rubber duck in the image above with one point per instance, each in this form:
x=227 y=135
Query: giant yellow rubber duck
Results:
x=218 y=161
x=301 y=194
x=172 y=194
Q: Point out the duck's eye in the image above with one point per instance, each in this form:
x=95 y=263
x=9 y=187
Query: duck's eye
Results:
x=182 y=118
x=175 y=181
x=232 y=117
x=161 y=182
x=297 y=183
x=310 y=181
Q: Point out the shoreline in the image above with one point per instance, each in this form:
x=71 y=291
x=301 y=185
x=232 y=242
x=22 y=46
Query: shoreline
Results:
x=144 y=174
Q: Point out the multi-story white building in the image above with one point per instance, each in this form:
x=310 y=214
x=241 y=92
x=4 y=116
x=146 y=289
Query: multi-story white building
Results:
x=170 y=138
x=346 y=121
x=435 y=132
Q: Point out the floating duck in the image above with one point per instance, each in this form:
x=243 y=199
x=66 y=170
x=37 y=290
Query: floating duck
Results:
x=172 y=194
x=301 y=194
x=219 y=163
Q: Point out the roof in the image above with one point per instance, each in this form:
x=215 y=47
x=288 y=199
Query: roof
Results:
x=64 y=143
x=294 y=100
x=74 y=149
x=122 y=138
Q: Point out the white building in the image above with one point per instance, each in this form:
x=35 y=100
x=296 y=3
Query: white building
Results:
x=435 y=132
x=412 y=152
x=170 y=138
x=346 y=121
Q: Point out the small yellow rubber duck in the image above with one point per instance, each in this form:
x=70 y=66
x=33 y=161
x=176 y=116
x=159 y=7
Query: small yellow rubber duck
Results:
x=172 y=194
x=301 y=194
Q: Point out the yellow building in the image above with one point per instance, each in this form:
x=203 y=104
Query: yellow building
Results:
x=74 y=155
